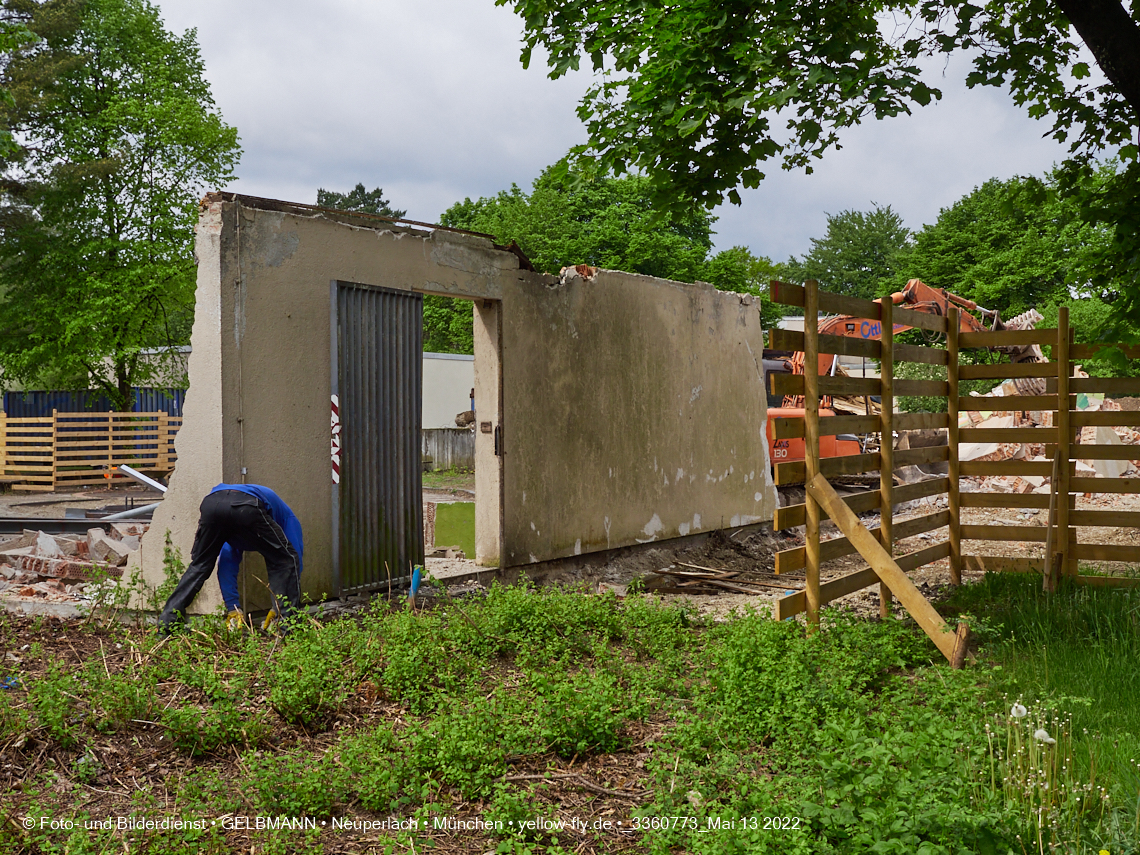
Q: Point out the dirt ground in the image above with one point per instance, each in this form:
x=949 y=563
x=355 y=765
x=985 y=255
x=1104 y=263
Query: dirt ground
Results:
x=54 y=505
x=752 y=556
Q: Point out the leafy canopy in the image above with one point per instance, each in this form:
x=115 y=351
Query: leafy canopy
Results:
x=859 y=254
x=1014 y=246
x=606 y=222
x=118 y=135
x=698 y=95
x=359 y=199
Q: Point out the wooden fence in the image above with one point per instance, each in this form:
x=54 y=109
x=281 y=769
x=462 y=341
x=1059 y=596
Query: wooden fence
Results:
x=1064 y=537
x=66 y=450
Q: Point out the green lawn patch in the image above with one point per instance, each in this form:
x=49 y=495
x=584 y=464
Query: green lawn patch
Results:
x=455 y=526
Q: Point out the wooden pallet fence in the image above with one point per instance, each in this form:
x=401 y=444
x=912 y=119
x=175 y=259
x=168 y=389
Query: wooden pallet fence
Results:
x=1067 y=533
x=68 y=450
x=886 y=569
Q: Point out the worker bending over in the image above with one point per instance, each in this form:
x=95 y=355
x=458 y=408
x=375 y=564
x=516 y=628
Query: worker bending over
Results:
x=237 y=518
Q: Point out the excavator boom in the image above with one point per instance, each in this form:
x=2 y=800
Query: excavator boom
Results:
x=917 y=296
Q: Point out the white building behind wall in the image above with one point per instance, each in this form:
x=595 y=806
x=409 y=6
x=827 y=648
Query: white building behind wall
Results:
x=448 y=381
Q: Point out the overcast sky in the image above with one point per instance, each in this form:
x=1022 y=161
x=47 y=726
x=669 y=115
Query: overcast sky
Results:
x=427 y=99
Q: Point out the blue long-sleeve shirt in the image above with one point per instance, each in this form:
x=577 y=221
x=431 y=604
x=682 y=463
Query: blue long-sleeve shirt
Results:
x=230 y=558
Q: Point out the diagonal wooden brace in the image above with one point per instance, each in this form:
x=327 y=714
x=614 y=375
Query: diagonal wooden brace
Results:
x=952 y=644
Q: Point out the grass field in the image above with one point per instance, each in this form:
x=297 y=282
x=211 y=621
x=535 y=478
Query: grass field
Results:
x=455 y=526
x=563 y=722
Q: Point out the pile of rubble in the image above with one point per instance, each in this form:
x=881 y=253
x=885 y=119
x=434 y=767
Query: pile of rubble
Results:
x=36 y=566
x=993 y=451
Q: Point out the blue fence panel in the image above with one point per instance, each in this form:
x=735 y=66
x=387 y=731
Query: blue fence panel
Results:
x=40 y=404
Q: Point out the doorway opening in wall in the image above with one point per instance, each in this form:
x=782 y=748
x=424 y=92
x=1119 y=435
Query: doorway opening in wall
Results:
x=451 y=420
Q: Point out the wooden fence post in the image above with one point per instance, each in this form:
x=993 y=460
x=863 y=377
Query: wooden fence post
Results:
x=811 y=449
x=1064 y=438
x=110 y=449
x=3 y=442
x=886 y=440
x=953 y=496
x=54 y=445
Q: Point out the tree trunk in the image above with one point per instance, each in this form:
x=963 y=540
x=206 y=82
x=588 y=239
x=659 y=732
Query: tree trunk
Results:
x=122 y=400
x=1114 y=39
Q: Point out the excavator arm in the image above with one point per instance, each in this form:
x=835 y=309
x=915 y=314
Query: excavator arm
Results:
x=919 y=297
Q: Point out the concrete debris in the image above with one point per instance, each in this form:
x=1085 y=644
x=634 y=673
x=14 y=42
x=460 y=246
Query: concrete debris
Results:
x=103 y=548
x=995 y=451
x=40 y=568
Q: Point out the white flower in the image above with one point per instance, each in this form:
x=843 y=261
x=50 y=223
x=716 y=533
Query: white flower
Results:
x=1042 y=735
x=1018 y=711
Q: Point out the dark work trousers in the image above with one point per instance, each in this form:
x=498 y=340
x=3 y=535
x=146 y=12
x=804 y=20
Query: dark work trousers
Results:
x=243 y=521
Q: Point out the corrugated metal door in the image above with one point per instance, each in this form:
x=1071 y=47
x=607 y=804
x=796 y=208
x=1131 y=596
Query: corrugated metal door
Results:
x=377 y=380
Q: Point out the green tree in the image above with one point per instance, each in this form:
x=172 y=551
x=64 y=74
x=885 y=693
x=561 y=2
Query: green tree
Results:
x=118 y=135
x=697 y=95
x=738 y=269
x=1015 y=245
x=13 y=35
x=613 y=223
x=359 y=199
x=700 y=96
x=859 y=255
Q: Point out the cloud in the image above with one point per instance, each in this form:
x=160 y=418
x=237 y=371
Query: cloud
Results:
x=428 y=100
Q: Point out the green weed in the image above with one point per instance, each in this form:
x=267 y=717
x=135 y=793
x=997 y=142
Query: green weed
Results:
x=295 y=784
x=308 y=677
x=200 y=731
x=55 y=699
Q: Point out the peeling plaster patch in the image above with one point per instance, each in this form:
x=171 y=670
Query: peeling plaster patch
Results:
x=758 y=497
x=696 y=393
x=578 y=546
x=696 y=522
x=683 y=529
x=532 y=526
x=752 y=474
x=735 y=521
x=607 y=532
x=666 y=477
x=533 y=560
x=652 y=528
x=524 y=497
x=282 y=249
x=680 y=475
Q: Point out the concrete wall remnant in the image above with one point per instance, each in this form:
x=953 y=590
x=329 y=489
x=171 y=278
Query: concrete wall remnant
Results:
x=611 y=409
x=634 y=412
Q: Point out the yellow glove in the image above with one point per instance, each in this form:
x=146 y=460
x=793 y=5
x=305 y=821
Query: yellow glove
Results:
x=235 y=620
x=270 y=624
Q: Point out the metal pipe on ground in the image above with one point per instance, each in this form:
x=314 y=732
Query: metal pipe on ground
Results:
x=140 y=511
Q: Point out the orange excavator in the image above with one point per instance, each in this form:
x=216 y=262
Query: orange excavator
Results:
x=916 y=296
